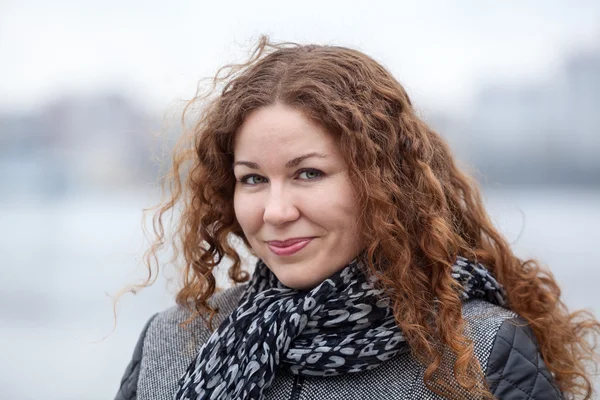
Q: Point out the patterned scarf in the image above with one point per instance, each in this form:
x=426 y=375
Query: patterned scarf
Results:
x=343 y=325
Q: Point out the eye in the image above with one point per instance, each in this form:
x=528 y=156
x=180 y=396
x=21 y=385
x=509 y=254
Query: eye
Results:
x=253 y=179
x=310 y=174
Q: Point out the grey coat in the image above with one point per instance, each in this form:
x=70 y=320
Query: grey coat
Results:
x=503 y=345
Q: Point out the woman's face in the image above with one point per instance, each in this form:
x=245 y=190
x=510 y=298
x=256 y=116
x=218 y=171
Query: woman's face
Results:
x=293 y=197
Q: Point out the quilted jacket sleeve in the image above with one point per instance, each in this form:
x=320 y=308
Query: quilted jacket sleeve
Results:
x=515 y=368
x=128 y=387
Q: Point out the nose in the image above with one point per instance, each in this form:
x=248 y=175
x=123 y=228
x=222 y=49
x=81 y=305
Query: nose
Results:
x=280 y=207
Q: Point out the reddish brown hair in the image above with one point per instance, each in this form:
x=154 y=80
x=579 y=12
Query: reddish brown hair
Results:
x=420 y=210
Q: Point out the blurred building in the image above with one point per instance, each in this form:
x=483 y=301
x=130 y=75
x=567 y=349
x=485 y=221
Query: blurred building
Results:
x=77 y=143
x=544 y=133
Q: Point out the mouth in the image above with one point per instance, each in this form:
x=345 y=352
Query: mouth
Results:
x=288 y=247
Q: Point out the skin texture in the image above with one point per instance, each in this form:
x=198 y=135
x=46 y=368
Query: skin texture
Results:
x=311 y=199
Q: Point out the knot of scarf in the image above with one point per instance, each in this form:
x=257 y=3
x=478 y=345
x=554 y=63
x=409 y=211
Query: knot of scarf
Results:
x=343 y=325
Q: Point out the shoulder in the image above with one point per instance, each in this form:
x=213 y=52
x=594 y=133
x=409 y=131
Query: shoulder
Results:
x=226 y=301
x=128 y=386
x=482 y=323
x=508 y=352
x=515 y=369
x=164 y=348
x=165 y=330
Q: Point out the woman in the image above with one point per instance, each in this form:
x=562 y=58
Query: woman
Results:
x=379 y=272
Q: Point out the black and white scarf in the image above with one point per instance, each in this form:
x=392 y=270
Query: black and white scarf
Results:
x=341 y=326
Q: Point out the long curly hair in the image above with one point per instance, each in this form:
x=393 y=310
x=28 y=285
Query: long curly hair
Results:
x=419 y=210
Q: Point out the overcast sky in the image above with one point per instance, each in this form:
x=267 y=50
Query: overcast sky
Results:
x=156 y=51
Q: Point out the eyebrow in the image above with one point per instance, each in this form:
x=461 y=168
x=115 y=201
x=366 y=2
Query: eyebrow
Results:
x=290 y=164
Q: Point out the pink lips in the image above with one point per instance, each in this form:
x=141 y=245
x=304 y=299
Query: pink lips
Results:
x=288 y=247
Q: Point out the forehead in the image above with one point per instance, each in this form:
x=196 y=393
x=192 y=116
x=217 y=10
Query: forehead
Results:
x=280 y=132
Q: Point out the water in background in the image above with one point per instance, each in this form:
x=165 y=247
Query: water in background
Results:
x=59 y=261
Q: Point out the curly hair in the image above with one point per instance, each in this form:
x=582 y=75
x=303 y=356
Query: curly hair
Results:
x=419 y=210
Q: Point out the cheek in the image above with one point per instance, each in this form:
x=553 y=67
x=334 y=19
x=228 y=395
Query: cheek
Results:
x=347 y=216
x=335 y=207
x=247 y=212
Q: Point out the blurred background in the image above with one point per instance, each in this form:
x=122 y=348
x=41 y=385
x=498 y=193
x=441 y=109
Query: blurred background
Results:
x=85 y=86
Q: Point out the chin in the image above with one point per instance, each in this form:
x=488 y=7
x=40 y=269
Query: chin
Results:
x=292 y=283
x=296 y=274
x=296 y=282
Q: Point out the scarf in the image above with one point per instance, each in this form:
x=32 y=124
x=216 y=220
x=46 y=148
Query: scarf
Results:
x=343 y=325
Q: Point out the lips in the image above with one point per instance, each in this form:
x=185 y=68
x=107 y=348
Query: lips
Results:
x=288 y=242
x=288 y=247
